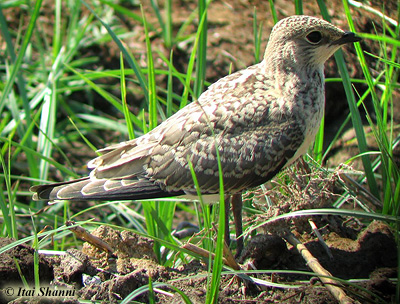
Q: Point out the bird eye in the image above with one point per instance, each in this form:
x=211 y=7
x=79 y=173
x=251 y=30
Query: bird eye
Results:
x=314 y=37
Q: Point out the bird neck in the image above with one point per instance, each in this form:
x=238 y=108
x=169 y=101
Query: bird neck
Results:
x=292 y=77
x=286 y=59
x=302 y=84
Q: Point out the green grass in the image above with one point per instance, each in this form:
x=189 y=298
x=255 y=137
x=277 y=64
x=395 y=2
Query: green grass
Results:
x=43 y=75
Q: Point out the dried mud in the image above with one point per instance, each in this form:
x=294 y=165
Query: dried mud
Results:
x=371 y=256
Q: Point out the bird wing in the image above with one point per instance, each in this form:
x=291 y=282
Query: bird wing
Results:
x=241 y=116
x=237 y=115
x=248 y=159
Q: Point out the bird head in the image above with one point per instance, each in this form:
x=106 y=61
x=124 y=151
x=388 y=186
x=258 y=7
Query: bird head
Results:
x=304 y=41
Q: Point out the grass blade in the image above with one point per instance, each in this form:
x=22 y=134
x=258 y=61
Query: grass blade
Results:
x=125 y=107
x=201 y=62
x=152 y=94
x=130 y=59
x=355 y=114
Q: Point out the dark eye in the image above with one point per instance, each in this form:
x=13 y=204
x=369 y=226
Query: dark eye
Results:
x=314 y=37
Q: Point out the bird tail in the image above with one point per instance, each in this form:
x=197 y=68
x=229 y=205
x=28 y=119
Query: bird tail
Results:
x=101 y=190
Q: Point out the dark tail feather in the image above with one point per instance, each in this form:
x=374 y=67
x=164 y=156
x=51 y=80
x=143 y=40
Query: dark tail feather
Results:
x=86 y=189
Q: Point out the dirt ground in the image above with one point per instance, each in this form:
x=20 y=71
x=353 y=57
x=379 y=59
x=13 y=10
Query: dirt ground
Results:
x=367 y=253
x=358 y=251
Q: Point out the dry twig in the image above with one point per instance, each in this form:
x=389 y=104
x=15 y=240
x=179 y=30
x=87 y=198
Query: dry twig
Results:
x=313 y=263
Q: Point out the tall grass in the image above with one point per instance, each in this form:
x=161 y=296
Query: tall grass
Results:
x=42 y=75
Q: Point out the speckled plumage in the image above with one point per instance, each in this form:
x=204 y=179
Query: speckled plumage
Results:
x=261 y=119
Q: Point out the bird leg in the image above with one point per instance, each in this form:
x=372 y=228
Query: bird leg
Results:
x=237 y=205
x=227 y=207
x=236 y=201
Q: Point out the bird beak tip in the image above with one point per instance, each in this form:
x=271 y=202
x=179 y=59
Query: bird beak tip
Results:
x=348 y=37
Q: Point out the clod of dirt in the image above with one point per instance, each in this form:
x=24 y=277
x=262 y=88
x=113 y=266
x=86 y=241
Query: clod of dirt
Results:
x=124 y=243
x=375 y=247
x=264 y=251
x=23 y=255
x=372 y=253
x=72 y=265
x=116 y=288
x=381 y=284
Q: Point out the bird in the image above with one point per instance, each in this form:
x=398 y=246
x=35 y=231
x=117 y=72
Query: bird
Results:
x=260 y=120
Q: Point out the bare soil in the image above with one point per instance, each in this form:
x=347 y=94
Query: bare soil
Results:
x=371 y=256
x=359 y=250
